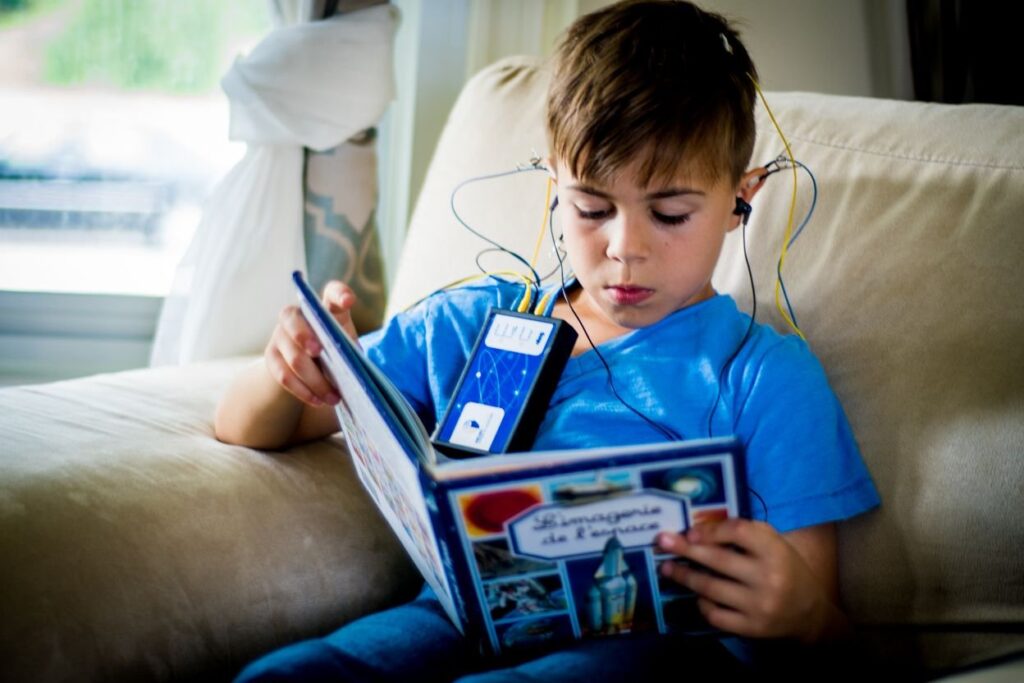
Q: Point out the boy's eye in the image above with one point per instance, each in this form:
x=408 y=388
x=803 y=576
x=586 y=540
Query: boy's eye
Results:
x=671 y=220
x=592 y=215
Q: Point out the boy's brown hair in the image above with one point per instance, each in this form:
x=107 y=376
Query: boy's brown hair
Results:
x=663 y=81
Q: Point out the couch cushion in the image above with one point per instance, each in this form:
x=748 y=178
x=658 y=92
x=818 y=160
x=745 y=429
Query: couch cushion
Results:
x=908 y=285
x=137 y=547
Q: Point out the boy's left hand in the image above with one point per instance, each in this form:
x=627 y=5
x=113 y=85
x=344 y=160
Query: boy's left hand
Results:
x=764 y=587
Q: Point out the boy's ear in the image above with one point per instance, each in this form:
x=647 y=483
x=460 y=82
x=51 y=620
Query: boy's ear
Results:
x=751 y=183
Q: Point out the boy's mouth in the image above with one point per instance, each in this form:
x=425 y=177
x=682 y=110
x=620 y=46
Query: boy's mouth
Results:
x=626 y=295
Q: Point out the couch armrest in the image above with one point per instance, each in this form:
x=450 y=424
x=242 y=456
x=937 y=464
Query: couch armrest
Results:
x=136 y=546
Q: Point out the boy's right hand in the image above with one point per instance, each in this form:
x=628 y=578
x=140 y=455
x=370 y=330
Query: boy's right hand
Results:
x=293 y=346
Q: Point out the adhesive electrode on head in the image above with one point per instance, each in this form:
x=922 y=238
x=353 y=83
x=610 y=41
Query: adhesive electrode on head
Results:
x=725 y=42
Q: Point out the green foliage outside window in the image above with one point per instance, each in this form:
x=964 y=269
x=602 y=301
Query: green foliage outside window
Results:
x=170 y=45
x=13 y=12
x=14 y=5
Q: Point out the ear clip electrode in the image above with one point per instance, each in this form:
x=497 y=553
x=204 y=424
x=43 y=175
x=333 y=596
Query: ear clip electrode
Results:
x=742 y=209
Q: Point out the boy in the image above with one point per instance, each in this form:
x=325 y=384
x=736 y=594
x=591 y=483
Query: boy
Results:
x=650 y=121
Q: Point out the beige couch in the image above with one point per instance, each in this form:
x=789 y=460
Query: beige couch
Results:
x=134 y=546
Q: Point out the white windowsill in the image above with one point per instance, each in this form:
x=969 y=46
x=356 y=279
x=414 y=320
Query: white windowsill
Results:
x=51 y=336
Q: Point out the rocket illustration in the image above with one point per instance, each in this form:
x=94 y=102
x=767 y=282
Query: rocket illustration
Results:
x=611 y=598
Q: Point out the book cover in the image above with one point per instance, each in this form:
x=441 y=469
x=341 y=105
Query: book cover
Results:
x=527 y=549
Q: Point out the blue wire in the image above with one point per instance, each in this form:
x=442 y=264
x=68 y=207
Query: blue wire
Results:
x=485 y=238
x=800 y=229
x=814 y=202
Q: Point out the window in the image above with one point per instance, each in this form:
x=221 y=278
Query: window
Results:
x=113 y=130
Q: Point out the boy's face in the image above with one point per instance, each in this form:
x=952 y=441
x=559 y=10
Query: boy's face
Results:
x=641 y=253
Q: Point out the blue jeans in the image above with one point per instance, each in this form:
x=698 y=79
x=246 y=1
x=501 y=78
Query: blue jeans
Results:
x=417 y=642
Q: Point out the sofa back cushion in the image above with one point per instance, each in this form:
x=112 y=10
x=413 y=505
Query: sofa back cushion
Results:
x=907 y=283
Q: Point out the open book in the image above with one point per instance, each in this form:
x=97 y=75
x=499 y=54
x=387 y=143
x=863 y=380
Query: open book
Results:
x=525 y=549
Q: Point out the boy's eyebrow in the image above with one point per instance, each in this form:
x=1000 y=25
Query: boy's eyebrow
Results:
x=660 y=194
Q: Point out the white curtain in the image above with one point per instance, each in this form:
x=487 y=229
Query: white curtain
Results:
x=310 y=85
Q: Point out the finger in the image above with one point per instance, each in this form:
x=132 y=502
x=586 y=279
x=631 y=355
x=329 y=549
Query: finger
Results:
x=723 y=591
x=298 y=330
x=283 y=375
x=725 y=618
x=304 y=368
x=754 y=538
x=307 y=371
x=721 y=559
x=338 y=297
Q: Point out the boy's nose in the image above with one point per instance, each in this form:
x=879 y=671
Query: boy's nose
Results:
x=627 y=240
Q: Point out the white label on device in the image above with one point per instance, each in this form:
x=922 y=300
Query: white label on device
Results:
x=520 y=335
x=478 y=423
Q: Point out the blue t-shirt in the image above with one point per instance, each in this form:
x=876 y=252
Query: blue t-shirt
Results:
x=802 y=460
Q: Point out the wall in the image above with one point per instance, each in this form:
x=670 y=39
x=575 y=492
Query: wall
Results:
x=840 y=46
x=832 y=47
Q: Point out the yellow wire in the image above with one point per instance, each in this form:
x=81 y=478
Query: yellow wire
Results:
x=543 y=225
x=542 y=304
x=524 y=303
x=478 y=276
x=789 y=223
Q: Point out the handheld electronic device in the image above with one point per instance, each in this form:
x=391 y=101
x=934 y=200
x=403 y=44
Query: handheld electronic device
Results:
x=504 y=391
